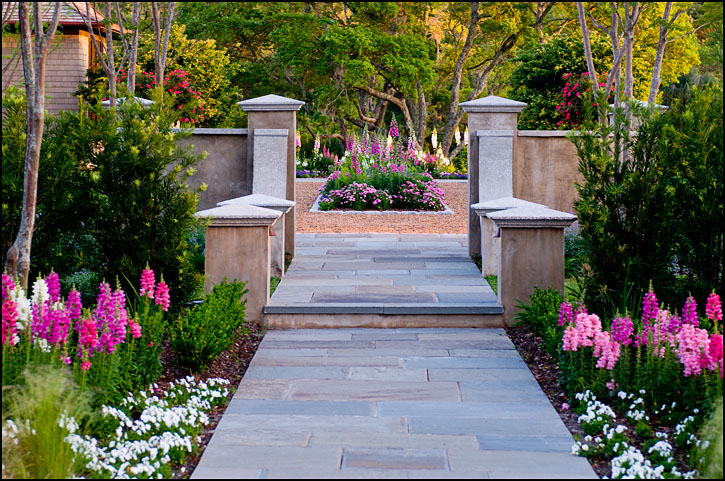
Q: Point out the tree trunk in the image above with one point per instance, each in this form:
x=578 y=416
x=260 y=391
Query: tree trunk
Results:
x=399 y=102
x=453 y=108
x=161 y=44
x=34 y=57
x=133 y=53
x=661 y=43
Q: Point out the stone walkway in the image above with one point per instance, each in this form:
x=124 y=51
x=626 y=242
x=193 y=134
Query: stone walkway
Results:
x=383 y=274
x=390 y=403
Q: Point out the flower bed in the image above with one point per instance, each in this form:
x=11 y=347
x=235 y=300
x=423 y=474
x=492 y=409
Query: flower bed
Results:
x=642 y=387
x=381 y=174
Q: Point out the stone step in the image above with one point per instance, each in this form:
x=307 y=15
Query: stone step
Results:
x=309 y=320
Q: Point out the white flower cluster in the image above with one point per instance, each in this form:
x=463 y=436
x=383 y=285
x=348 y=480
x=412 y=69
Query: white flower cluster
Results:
x=145 y=446
x=684 y=432
x=632 y=464
x=636 y=411
x=597 y=412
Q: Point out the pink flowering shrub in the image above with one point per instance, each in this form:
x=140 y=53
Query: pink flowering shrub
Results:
x=571 y=107
x=102 y=344
x=186 y=100
x=665 y=354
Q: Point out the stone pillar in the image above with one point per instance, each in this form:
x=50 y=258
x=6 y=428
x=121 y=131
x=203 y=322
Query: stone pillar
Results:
x=489 y=155
x=532 y=253
x=490 y=240
x=237 y=247
x=275 y=112
x=277 y=240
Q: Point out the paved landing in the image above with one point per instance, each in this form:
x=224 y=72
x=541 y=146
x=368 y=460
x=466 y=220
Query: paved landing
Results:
x=387 y=274
x=390 y=403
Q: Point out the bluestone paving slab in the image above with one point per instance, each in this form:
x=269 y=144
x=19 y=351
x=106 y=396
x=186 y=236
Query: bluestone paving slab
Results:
x=465 y=297
x=343 y=361
x=522 y=463
x=524 y=409
x=318 y=408
x=374 y=297
x=314 y=423
x=464 y=362
x=394 y=458
x=395 y=440
x=295 y=372
x=388 y=374
x=383 y=336
x=374 y=391
x=509 y=390
x=412 y=403
x=504 y=427
x=479 y=374
x=524 y=442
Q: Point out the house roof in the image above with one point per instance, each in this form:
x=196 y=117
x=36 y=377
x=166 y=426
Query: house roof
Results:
x=71 y=14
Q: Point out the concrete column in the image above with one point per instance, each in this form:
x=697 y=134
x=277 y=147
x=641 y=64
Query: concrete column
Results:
x=277 y=241
x=490 y=240
x=275 y=112
x=237 y=247
x=532 y=253
x=494 y=114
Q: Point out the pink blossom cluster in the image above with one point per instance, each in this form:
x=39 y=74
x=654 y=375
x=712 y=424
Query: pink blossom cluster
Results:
x=571 y=104
x=48 y=319
x=661 y=331
x=161 y=289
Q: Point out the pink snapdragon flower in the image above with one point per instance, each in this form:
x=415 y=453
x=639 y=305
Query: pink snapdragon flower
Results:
x=53 y=282
x=693 y=348
x=622 y=330
x=689 y=312
x=162 y=295
x=713 y=308
x=147 y=283
x=565 y=313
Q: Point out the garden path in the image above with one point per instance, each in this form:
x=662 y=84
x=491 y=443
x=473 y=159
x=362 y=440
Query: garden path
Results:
x=366 y=280
x=390 y=403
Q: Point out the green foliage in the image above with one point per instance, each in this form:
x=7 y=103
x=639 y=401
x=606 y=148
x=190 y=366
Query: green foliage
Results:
x=539 y=79
x=708 y=456
x=208 y=67
x=651 y=205
x=541 y=316
x=201 y=334
x=85 y=222
x=37 y=450
x=692 y=151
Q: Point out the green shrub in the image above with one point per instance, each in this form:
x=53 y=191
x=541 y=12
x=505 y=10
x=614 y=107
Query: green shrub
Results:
x=112 y=196
x=204 y=332
x=709 y=454
x=33 y=439
x=651 y=204
x=541 y=315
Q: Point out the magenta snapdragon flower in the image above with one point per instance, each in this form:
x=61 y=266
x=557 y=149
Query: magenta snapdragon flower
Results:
x=162 y=295
x=689 y=312
x=147 y=283
x=713 y=308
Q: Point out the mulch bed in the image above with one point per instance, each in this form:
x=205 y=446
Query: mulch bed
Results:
x=231 y=365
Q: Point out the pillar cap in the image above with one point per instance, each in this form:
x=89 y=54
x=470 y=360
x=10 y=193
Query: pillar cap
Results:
x=262 y=200
x=269 y=103
x=502 y=203
x=239 y=214
x=492 y=103
x=532 y=218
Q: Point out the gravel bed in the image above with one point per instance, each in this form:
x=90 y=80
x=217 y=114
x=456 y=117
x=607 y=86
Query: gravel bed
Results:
x=311 y=222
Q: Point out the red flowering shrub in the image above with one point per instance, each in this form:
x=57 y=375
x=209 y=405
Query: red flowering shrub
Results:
x=571 y=107
x=186 y=100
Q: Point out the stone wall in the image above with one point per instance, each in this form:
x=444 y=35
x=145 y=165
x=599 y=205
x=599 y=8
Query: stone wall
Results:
x=66 y=67
x=225 y=170
x=545 y=167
